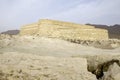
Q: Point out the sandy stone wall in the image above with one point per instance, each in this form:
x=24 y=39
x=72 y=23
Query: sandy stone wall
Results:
x=30 y=29
x=64 y=24
x=64 y=30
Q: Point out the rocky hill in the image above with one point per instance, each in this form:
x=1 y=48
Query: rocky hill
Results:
x=11 y=32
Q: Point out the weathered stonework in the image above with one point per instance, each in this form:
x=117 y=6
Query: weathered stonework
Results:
x=64 y=30
x=30 y=29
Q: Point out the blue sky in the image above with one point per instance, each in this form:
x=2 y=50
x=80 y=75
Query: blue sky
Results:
x=15 y=13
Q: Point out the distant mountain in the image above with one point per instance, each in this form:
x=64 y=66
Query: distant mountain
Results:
x=114 y=31
x=99 y=26
x=11 y=32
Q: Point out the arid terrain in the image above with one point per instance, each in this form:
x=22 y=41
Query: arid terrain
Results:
x=59 y=39
x=40 y=58
x=57 y=50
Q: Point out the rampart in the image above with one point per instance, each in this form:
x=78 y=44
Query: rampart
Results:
x=30 y=29
x=64 y=30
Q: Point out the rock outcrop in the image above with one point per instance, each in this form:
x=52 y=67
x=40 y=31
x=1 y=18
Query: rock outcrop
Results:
x=19 y=66
x=113 y=73
x=64 y=30
x=11 y=32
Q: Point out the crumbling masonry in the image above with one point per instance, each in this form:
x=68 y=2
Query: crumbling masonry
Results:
x=64 y=30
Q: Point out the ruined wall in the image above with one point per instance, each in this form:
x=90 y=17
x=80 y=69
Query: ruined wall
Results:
x=65 y=30
x=30 y=29
x=63 y=24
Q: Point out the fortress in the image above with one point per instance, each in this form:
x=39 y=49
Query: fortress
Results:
x=64 y=30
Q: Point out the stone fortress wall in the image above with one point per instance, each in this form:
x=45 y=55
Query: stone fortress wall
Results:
x=29 y=29
x=64 y=30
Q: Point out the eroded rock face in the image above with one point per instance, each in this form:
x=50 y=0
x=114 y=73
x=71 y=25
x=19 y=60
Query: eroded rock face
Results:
x=19 y=66
x=103 y=44
x=113 y=73
x=100 y=65
x=64 y=30
x=101 y=68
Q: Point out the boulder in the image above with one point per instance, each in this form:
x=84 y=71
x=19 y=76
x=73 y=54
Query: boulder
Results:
x=113 y=73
